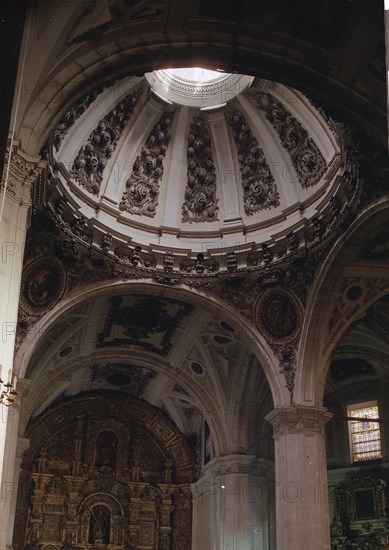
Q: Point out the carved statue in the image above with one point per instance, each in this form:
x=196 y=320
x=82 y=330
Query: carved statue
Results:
x=99 y=525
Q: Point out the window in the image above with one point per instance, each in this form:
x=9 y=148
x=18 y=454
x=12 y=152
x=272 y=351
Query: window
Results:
x=365 y=435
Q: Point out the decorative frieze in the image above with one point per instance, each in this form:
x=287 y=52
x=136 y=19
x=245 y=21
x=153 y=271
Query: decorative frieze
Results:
x=142 y=187
x=306 y=157
x=89 y=164
x=200 y=203
x=259 y=188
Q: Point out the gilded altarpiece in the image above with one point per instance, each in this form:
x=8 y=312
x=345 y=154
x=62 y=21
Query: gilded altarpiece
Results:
x=104 y=473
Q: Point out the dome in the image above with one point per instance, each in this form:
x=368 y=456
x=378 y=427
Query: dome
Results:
x=185 y=163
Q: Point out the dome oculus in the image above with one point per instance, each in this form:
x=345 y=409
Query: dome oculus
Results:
x=197 y=87
x=196 y=75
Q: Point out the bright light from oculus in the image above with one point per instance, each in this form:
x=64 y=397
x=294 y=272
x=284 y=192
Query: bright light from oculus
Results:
x=196 y=74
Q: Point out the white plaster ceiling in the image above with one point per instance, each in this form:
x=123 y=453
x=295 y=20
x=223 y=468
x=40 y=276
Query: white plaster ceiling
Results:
x=206 y=372
x=181 y=178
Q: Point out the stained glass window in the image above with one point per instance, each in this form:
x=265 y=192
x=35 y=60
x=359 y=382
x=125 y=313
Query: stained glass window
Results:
x=365 y=435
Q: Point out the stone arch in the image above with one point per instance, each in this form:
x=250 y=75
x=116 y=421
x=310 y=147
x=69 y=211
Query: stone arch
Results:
x=66 y=80
x=321 y=332
x=248 y=335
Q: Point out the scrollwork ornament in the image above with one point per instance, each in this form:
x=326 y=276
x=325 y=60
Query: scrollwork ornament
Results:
x=142 y=187
x=286 y=355
x=200 y=204
x=89 y=164
x=306 y=157
x=259 y=188
x=75 y=112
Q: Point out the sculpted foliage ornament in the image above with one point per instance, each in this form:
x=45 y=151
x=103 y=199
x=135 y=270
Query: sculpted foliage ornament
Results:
x=142 y=187
x=259 y=188
x=200 y=203
x=89 y=164
x=278 y=316
x=75 y=112
x=307 y=160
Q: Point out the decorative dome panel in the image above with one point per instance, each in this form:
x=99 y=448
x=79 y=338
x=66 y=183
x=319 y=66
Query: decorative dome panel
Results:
x=144 y=165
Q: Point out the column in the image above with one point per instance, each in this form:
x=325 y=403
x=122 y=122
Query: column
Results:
x=15 y=202
x=232 y=505
x=13 y=455
x=302 y=517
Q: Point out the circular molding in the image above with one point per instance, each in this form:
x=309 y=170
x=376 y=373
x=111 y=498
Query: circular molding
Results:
x=278 y=316
x=206 y=94
x=43 y=284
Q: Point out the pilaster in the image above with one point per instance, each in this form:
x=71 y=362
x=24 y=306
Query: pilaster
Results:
x=15 y=201
x=302 y=516
x=14 y=448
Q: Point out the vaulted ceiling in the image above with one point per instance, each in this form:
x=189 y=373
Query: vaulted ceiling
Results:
x=182 y=357
x=177 y=356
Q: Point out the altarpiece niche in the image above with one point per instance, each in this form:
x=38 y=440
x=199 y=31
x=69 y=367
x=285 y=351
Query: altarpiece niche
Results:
x=104 y=473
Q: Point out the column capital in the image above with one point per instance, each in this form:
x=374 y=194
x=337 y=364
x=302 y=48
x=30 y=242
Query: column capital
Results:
x=298 y=419
x=22 y=173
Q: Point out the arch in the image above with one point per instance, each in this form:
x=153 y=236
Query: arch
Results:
x=246 y=333
x=317 y=344
x=65 y=79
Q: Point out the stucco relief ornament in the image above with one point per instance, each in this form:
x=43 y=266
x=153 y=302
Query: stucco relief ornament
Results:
x=75 y=112
x=278 y=316
x=306 y=157
x=259 y=188
x=89 y=164
x=200 y=203
x=43 y=284
x=142 y=187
